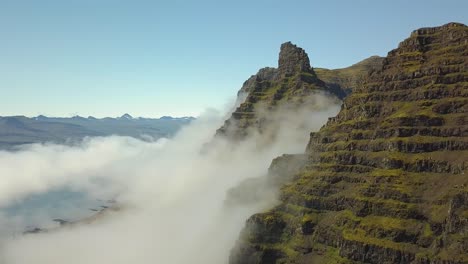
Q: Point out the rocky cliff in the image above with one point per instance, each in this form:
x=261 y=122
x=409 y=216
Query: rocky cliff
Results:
x=385 y=180
x=289 y=86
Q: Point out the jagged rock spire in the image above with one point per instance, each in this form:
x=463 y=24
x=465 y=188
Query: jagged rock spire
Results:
x=292 y=59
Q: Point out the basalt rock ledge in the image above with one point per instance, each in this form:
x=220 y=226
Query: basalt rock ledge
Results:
x=384 y=181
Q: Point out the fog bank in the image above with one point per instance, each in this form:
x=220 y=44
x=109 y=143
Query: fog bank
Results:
x=170 y=193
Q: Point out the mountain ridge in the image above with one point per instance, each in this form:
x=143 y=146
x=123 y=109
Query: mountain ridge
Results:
x=289 y=85
x=346 y=79
x=384 y=180
x=19 y=130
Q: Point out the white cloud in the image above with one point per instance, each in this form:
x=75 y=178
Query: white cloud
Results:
x=172 y=195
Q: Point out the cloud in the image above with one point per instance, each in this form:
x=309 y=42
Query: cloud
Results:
x=171 y=193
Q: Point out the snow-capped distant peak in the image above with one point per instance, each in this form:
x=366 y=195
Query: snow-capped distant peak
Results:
x=184 y=118
x=40 y=117
x=126 y=116
x=166 y=118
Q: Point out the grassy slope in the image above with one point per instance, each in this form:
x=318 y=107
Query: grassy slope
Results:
x=386 y=181
x=349 y=77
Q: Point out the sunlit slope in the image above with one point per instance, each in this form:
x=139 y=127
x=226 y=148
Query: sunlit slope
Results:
x=386 y=178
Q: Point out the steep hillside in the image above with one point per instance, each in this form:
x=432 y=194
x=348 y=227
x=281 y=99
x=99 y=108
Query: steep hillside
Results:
x=289 y=85
x=348 y=78
x=385 y=180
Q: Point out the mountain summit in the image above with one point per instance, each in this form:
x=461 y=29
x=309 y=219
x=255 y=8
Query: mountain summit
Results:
x=385 y=180
x=292 y=60
x=126 y=116
x=272 y=88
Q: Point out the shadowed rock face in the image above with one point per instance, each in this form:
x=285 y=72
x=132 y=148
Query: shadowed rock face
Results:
x=288 y=85
x=292 y=59
x=385 y=180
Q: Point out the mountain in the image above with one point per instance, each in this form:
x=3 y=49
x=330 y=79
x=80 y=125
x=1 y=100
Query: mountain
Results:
x=384 y=181
x=18 y=130
x=348 y=78
x=272 y=88
x=126 y=116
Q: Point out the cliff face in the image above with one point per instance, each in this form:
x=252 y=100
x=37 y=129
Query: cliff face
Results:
x=385 y=180
x=289 y=85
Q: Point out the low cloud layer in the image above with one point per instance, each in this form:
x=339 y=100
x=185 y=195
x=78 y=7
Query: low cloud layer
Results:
x=171 y=196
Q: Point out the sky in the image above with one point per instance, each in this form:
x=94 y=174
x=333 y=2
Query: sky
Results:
x=154 y=58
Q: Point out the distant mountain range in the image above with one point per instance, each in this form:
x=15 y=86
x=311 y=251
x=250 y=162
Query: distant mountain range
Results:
x=18 y=130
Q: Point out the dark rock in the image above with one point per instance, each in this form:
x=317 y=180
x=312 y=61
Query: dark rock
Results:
x=292 y=60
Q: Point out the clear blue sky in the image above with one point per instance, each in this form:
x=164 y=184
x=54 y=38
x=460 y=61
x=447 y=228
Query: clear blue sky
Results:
x=153 y=58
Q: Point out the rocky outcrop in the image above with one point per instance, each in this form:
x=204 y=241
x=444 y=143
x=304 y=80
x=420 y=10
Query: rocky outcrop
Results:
x=385 y=180
x=289 y=85
x=292 y=60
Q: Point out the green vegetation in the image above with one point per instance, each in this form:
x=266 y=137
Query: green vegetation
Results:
x=386 y=179
x=349 y=78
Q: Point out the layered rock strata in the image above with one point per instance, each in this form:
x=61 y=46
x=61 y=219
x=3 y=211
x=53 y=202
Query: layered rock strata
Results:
x=385 y=180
